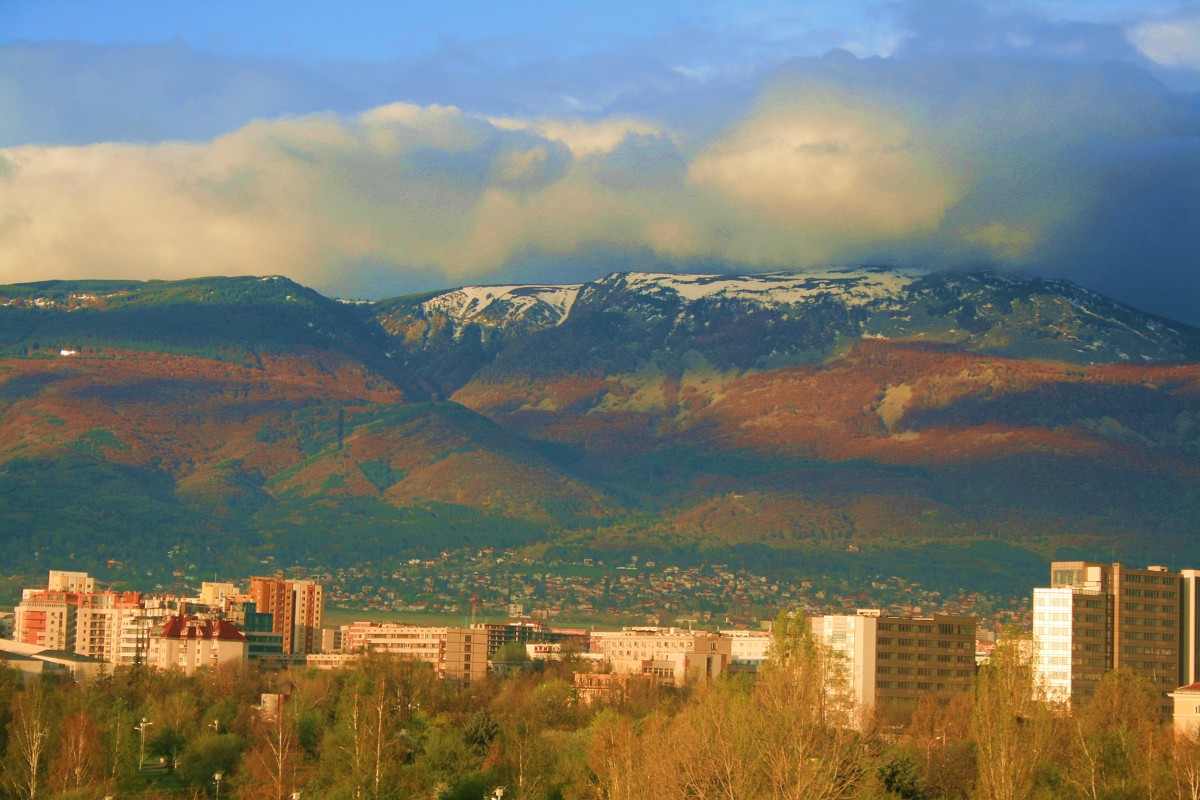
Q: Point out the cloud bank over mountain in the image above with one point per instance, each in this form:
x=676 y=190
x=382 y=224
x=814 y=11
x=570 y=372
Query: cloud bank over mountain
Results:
x=971 y=135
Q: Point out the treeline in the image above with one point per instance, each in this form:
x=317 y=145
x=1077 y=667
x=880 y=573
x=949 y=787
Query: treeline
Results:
x=389 y=729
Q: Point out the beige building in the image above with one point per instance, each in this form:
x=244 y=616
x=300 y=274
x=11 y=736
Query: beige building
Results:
x=1097 y=617
x=218 y=595
x=458 y=653
x=611 y=687
x=672 y=655
x=748 y=649
x=77 y=582
x=99 y=621
x=46 y=618
x=190 y=643
x=1186 y=704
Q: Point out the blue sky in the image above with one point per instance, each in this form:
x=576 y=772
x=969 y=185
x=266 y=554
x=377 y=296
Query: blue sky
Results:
x=372 y=148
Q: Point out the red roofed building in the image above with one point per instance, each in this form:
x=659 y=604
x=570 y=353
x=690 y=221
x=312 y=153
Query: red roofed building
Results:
x=188 y=643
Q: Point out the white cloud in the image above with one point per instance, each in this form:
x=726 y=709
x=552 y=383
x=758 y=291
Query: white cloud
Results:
x=1172 y=43
x=1015 y=163
x=432 y=187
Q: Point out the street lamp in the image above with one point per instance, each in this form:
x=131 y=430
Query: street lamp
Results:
x=217 y=776
x=141 y=728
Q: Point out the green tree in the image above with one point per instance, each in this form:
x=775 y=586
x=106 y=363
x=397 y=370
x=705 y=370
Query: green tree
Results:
x=1118 y=746
x=480 y=730
x=209 y=754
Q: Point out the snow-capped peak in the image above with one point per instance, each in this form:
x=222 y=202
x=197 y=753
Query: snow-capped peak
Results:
x=468 y=303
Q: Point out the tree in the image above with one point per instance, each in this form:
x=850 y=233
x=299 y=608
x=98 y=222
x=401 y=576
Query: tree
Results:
x=1118 y=744
x=273 y=765
x=366 y=744
x=80 y=760
x=1186 y=761
x=28 y=740
x=479 y=731
x=167 y=743
x=1010 y=724
x=939 y=736
x=791 y=735
x=207 y=755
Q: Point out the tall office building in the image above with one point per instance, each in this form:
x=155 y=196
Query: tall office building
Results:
x=296 y=608
x=894 y=660
x=1097 y=617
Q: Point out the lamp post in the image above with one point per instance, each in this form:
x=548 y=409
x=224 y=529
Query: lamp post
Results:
x=141 y=728
x=217 y=776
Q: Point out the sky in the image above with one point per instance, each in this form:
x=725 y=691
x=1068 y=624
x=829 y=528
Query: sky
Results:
x=371 y=149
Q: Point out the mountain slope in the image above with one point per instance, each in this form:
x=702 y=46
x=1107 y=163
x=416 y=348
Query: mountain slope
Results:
x=785 y=419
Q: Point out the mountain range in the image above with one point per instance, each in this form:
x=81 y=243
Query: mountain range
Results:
x=959 y=427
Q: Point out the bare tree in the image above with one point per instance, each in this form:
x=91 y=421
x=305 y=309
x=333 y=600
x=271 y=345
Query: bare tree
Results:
x=28 y=740
x=1187 y=766
x=80 y=760
x=1010 y=724
x=274 y=761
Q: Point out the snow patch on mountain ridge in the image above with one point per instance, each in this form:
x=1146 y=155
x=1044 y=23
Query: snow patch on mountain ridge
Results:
x=856 y=287
x=470 y=302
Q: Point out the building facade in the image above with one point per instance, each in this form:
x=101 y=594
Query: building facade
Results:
x=65 y=617
x=671 y=655
x=1095 y=618
x=189 y=643
x=455 y=653
x=890 y=660
x=296 y=608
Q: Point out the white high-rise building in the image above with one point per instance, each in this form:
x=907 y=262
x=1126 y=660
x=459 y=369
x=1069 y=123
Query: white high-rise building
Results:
x=1095 y=618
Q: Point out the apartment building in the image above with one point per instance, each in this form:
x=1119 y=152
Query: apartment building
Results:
x=99 y=620
x=748 y=649
x=456 y=653
x=672 y=655
x=70 y=616
x=296 y=608
x=1097 y=617
x=499 y=634
x=189 y=643
x=46 y=618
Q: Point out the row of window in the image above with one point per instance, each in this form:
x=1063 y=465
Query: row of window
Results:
x=1163 y=579
x=1148 y=651
x=1151 y=608
x=942 y=672
x=943 y=628
x=1149 y=622
x=1151 y=593
x=925 y=686
x=941 y=644
x=1150 y=637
